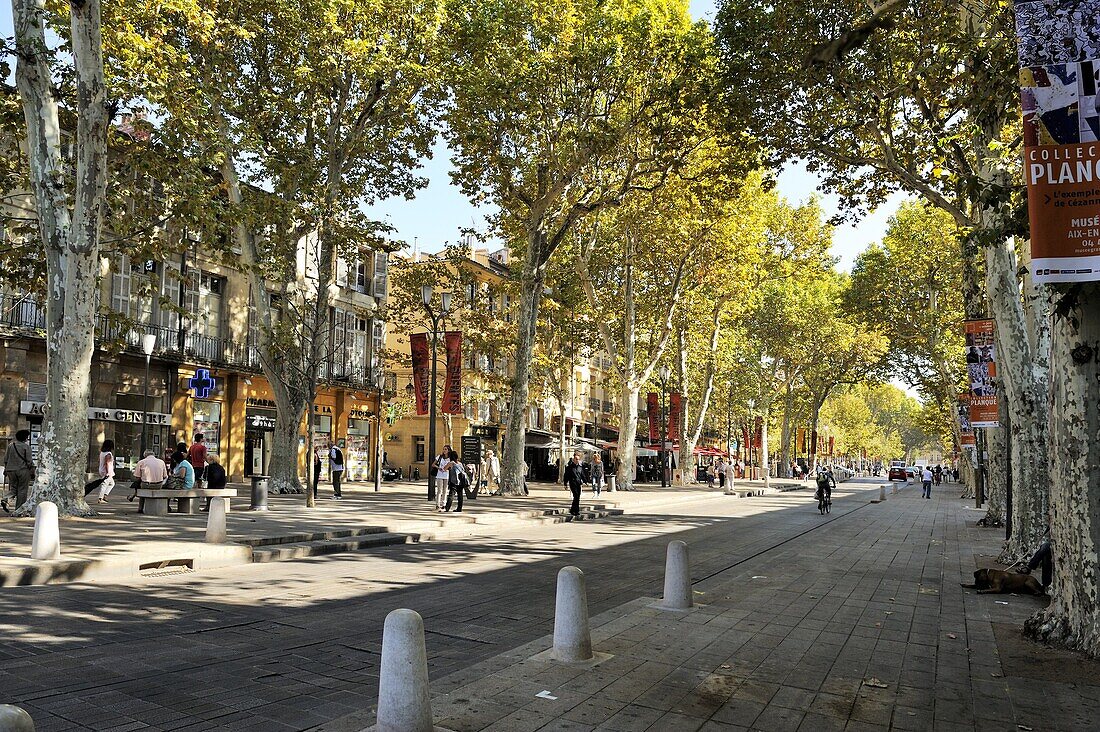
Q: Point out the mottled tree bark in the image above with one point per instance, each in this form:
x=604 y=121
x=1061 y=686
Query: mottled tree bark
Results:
x=70 y=230
x=1073 y=617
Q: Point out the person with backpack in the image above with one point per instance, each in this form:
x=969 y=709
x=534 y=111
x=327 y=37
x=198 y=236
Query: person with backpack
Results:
x=336 y=467
x=457 y=481
x=19 y=469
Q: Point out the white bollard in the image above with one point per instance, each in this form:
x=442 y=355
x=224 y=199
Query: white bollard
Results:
x=46 y=540
x=894 y=488
x=881 y=493
x=572 y=640
x=677 y=577
x=15 y=719
x=403 y=701
x=215 y=521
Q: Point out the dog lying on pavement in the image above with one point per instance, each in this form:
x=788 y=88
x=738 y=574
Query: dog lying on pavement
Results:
x=995 y=581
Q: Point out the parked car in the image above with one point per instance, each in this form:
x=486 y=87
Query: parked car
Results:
x=390 y=472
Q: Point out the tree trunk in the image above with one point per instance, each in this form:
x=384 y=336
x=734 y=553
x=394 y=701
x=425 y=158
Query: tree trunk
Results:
x=70 y=239
x=532 y=279
x=996 y=482
x=1073 y=616
x=765 y=468
x=785 y=436
x=1024 y=390
x=285 y=448
x=686 y=437
x=628 y=431
x=562 y=435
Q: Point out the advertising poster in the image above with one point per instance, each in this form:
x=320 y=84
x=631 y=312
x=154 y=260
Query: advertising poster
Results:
x=418 y=343
x=1059 y=44
x=966 y=431
x=452 y=384
x=981 y=368
x=652 y=409
x=674 y=415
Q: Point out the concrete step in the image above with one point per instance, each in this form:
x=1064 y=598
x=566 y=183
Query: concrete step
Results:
x=274 y=551
x=298 y=550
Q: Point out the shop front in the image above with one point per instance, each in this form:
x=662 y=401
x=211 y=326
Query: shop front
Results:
x=357 y=452
x=259 y=431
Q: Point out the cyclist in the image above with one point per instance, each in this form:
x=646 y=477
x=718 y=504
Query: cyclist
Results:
x=824 y=494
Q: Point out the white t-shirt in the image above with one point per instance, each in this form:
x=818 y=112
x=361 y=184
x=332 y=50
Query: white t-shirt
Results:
x=443 y=471
x=106 y=465
x=335 y=453
x=926 y=475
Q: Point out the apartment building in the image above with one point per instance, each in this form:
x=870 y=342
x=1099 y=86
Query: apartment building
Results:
x=203 y=374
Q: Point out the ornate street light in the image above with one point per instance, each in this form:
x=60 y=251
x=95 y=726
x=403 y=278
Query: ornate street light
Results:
x=148 y=345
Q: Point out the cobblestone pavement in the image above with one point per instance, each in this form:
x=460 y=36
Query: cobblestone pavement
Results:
x=806 y=601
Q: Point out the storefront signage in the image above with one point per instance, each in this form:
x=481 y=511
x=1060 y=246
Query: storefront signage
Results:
x=360 y=414
x=264 y=422
x=202 y=383
x=101 y=413
x=1059 y=76
x=254 y=402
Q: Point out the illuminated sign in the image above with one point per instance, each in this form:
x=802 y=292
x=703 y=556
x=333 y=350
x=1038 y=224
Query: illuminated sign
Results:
x=202 y=383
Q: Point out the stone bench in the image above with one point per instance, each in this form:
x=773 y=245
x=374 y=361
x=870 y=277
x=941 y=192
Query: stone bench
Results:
x=154 y=501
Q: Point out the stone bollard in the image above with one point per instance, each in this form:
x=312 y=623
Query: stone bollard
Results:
x=403 y=701
x=46 y=540
x=611 y=484
x=572 y=640
x=881 y=493
x=15 y=719
x=894 y=488
x=677 y=577
x=215 y=521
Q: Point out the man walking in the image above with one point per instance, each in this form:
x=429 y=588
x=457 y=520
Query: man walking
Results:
x=336 y=467
x=926 y=482
x=720 y=468
x=492 y=473
x=574 y=478
x=196 y=455
x=19 y=468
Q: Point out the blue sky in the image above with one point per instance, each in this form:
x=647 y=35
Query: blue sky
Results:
x=440 y=210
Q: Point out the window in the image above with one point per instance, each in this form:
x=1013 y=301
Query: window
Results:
x=418 y=441
x=203 y=302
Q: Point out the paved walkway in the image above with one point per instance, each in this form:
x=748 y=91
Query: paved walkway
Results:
x=859 y=625
x=122 y=536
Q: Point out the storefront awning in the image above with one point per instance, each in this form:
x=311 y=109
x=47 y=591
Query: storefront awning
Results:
x=539 y=439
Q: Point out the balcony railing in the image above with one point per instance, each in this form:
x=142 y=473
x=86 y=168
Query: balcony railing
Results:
x=25 y=315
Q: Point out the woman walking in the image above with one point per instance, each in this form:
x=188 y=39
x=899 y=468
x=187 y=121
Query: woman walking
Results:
x=106 y=469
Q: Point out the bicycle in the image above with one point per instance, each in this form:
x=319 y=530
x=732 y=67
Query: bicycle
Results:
x=825 y=502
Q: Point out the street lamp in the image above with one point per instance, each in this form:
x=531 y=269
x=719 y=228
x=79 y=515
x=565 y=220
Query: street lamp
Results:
x=148 y=345
x=380 y=383
x=664 y=424
x=435 y=317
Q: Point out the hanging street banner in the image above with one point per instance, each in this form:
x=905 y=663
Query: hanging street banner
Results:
x=981 y=369
x=652 y=409
x=966 y=432
x=1059 y=44
x=418 y=343
x=452 y=384
x=674 y=415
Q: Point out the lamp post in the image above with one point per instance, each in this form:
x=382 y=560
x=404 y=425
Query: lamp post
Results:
x=148 y=345
x=435 y=317
x=380 y=382
x=664 y=425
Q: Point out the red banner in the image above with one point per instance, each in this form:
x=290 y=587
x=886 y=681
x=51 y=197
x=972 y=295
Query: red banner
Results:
x=418 y=344
x=653 y=410
x=832 y=446
x=452 y=385
x=813 y=443
x=674 y=402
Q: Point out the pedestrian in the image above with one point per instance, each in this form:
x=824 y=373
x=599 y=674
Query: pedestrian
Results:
x=442 y=476
x=711 y=474
x=196 y=454
x=317 y=465
x=926 y=481
x=336 y=467
x=937 y=475
x=526 y=470
x=215 y=476
x=106 y=469
x=19 y=469
x=178 y=456
x=457 y=481
x=574 y=478
x=731 y=473
x=721 y=470
x=183 y=476
x=151 y=472
x=597 y=474
x=492 y=473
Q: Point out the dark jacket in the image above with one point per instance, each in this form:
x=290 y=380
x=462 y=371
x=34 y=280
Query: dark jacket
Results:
x=597 y=471
x=215 y=476
x=574 y=473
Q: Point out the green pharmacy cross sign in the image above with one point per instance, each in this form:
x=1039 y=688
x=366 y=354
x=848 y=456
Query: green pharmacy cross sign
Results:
x=202 y=383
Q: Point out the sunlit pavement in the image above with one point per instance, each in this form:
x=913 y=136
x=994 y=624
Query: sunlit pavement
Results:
x=293 y=645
